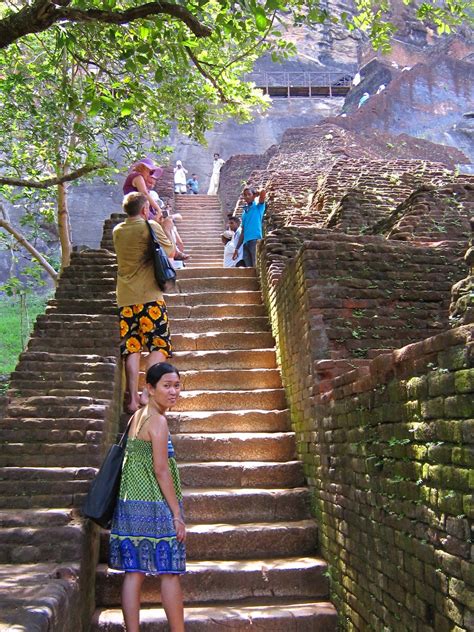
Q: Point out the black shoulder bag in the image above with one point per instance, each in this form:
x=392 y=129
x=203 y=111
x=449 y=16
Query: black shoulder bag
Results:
x=165 y=274
x=103 y=493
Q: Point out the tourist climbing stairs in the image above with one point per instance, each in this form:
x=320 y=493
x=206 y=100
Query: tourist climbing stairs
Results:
x=251 y=541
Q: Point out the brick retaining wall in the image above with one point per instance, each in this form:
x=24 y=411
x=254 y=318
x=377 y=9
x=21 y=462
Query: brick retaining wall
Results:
x=386 y=448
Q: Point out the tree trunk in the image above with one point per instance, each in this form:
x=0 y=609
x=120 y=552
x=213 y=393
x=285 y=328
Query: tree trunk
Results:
x=31 y=249
x=64 y=229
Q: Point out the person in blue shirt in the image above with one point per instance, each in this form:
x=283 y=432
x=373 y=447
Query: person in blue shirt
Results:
x=252 y=225
x=193 y=184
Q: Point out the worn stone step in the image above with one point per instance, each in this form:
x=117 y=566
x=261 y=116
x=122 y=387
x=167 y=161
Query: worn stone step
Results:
x=227 y=421
x=222 y=359
x=312 y=616
x=231 y=541
x=226 y=324
x=24 y=488
x=269 y=398
x=248 y=474
x=216 y=284
x=93 y=342
x=36 y=369
x=78 y=360
x=26 y=545
x=52 y=474
x=71 y=496
x=50 y=455
x=256 y=446
x=214 y=311
x=51 y=424
x=243 y=505
x=222 y=340
x=67 y=406
x=237 y=297
x=39 y=432
x=56 y=386
x=207 y=581
x=231 y=379
x=35 y=518
x=186 y=273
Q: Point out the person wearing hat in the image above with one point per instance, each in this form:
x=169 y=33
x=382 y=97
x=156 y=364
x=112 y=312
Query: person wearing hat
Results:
x=136 y=181
x=228 y=240
x=180 y=178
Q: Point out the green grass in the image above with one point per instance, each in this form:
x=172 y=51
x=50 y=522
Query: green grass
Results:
x=16 y=323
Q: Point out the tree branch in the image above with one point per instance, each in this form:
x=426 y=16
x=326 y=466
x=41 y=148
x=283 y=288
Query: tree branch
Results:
x=44 y=13
x=45 y=184
x=207 y=76
x=31 y=249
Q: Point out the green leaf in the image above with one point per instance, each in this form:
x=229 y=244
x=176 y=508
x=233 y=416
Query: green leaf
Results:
x=261 y=19
x=127 y=109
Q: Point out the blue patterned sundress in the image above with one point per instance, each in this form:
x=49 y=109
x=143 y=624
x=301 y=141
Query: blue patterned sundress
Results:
x=143 y=536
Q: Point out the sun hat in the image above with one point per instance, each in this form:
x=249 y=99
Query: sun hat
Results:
x=227 y=234
x=155 y=170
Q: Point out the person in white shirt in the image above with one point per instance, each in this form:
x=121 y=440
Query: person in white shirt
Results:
x=228 y=240
x=216 y=174
x=235 y=227
x=180 y=178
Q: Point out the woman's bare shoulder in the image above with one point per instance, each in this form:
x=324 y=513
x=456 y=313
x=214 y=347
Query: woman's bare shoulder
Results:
x=157 y=424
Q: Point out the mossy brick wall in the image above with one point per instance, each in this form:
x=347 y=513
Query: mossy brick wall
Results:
x=388 y=452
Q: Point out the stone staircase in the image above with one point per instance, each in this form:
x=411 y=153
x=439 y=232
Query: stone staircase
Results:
x=251 y=540
x=62 y=401
x=200 y=229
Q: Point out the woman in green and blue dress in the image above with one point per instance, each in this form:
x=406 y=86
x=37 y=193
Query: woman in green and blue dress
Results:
x=148 y=531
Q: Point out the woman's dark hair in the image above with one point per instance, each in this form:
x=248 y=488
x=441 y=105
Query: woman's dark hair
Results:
x=156 y=372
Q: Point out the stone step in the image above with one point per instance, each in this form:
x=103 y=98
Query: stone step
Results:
x=57 y=387
x=51 y=474
x=31 y=368
x=224 y=421
x=251 y=446
x=222 y=324
x=248 y=474
x=208 y=581
x=232 y=379
x=269 y=399
x=41 y=432
x=52 y=424
x=214 y=311
x=73 y=340
x=218 y=340
x=289 y=616
x=72 y=496
x=79 y=360
x=222 y=359
x=231 y=541
x=237 y=297
x=24 y=488
x=235 y=505
x=202 y=265
x=229 y=421
x=186 y=273
x=48 y=406
x=83 y=457
x=26 y=545
x=36 y=518
x=216 y=284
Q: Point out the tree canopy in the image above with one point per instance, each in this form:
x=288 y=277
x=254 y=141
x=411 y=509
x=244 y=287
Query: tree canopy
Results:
x=82 y=76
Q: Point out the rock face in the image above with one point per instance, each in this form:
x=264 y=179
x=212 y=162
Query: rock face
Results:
x=427 y=101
